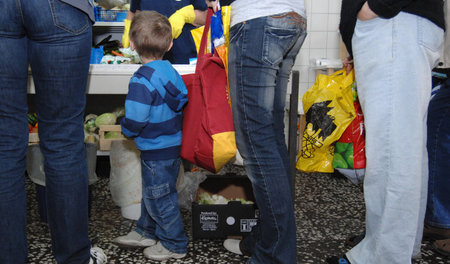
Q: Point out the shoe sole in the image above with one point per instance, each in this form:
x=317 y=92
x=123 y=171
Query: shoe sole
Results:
x=178 y=256
x=131 y=245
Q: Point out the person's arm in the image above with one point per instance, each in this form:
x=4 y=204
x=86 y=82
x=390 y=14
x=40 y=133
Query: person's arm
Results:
x=130 y=15
x=126 y=30
x=136 y=112
x=200 y=17
x=182 y=16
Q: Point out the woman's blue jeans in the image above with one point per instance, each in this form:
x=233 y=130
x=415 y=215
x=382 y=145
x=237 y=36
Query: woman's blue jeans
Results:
x=160 y=215
x=438 y=144
x=262 y=52
x=55 y=40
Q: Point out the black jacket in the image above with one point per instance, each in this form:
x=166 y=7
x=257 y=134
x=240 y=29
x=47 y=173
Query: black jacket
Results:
x=430 y=9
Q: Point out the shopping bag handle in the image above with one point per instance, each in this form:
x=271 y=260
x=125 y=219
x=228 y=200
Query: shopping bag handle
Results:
x=339 y=72
x=201 y=51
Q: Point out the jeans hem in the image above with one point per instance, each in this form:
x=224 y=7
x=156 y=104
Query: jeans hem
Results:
x=145 y=234
x=174 y=250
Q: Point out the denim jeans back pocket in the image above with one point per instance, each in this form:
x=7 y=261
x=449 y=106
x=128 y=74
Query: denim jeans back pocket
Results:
x=276 y=42
x=69 y=18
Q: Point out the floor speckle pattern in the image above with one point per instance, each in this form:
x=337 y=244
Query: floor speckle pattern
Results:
x=327 y=208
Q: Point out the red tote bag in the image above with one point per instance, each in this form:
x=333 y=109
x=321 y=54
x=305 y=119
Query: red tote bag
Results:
x=208 y=130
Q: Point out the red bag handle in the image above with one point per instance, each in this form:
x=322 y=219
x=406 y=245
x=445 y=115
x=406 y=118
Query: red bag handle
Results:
x=201 y=51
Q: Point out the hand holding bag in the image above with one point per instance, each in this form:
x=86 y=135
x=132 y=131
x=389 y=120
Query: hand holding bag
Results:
x=208 y=129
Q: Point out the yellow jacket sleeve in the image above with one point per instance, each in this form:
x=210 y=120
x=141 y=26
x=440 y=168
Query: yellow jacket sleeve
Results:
x=126 y=32
x=179 y=18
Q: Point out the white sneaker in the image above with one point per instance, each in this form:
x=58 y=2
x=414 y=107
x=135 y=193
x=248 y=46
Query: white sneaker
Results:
x=159 y=252
x=232 y=245
x=134 y=240
x=97 y=256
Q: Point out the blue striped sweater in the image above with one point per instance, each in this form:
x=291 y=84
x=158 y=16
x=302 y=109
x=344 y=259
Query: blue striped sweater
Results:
x=153 y=110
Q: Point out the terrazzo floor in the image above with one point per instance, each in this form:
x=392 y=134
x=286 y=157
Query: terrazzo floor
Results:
x=327 y=207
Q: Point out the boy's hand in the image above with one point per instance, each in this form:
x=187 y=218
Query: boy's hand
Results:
x=179 y=18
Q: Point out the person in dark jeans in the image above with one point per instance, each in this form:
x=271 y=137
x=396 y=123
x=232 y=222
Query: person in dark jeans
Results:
x=437 y=217
x=54 y=39
x=265 y=38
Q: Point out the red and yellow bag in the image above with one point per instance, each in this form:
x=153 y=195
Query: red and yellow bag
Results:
x=208 y=129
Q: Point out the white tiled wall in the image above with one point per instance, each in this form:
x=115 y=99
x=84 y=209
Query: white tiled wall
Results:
x=323 y=40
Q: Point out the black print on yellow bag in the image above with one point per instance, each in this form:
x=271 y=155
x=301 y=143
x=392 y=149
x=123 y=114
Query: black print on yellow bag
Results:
x=329 y=109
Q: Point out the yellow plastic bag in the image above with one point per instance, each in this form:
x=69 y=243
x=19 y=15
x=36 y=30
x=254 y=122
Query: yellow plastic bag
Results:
x=329 y=109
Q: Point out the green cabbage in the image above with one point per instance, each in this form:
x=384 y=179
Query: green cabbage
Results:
x=89 y=123
x=113 y=135
x=105 y=119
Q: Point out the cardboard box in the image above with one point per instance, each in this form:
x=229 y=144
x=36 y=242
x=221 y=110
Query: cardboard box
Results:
x=224 y=220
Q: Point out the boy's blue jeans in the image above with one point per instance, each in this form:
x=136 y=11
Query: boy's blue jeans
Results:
x=438 y=144
x=262 y=53
x=160 y=215
x=55 y=40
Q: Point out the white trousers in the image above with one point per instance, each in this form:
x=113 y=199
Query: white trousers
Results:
x=393 y=61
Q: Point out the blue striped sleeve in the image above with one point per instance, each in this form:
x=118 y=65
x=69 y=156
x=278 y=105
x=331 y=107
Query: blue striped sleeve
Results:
x=131 y=128
x=137 y=107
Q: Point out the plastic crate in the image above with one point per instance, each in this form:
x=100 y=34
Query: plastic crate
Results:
x=105 y=15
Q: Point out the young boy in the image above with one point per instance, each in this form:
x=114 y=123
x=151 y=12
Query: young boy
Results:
x=153 y=118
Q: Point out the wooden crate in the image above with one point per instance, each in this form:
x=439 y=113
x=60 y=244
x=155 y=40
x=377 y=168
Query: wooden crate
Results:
x=105 y=144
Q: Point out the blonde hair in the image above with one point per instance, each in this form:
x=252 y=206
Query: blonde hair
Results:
x=151 y=34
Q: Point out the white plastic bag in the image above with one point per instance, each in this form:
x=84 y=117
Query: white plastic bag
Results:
x=125 y=181
x=187 y=185
x=35 y=163
x=356 y=176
